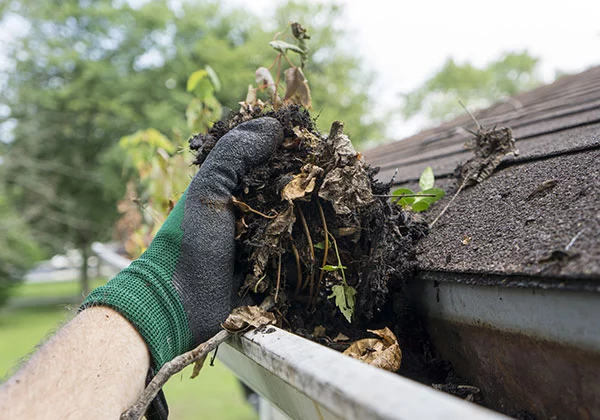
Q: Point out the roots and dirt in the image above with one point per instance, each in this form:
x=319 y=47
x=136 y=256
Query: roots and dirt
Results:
x=317 y=232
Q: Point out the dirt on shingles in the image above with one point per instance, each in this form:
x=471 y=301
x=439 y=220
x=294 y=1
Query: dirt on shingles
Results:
x=538 y=219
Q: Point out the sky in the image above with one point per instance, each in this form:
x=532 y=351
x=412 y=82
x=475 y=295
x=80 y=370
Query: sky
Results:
x=404 y=42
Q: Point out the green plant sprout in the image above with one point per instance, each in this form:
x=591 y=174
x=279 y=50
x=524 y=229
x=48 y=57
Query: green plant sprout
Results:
x=419 y=201
x=296 y=90
x=345 y=295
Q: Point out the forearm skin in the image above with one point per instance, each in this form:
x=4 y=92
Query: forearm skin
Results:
x=94 y=367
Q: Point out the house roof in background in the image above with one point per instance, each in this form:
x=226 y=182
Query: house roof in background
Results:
x=509 y=225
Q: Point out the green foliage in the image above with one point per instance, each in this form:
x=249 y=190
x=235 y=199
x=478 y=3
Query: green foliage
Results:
x=345 y=297
x=18 y=248
x=423 y=199
x=160 y=171
x=85 y=74
x=344 y=294
x=477 y=87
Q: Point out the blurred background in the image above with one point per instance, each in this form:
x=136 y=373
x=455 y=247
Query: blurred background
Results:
x=98 y=99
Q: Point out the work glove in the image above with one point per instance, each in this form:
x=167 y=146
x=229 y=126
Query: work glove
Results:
x=182 y=288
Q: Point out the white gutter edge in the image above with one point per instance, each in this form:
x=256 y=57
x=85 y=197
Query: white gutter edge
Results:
x=306 y=380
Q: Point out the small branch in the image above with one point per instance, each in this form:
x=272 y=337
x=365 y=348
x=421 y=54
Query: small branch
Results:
x=138 y=409
x=326 y=253
x=298 y=268
x=311 y=278
x=448 y=205
x=278 y=278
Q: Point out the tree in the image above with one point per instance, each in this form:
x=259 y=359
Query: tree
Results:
x=87 y=73
x=476 y=87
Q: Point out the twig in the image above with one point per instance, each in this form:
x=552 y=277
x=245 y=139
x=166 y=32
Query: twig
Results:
x=448 y=205
x=278 y=278
x=471 y=115
x=245 y=208
x=137 y=410
x=573 y=240
x=326 y=253
x=311 y=278
x=299 y=268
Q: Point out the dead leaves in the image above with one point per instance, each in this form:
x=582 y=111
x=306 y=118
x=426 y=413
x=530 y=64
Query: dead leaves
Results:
x=490 y=146
x=244 y=317
x=302 y=183
x=296 y=87
x=383 y=352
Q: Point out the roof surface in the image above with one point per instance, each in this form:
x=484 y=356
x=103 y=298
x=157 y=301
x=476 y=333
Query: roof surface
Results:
x=538 y=215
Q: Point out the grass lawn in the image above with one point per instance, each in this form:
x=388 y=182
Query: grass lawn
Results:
x=214 y=394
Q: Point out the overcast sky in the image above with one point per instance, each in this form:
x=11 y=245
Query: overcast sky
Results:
x=406 y=42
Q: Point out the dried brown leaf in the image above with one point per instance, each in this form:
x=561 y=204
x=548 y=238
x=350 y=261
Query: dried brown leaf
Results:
x=302 y=183
x=319 y=331
x=198 y=367
x=298 y=187
x=297 y=89
x=341 y=337
x=347 y=188
x=243 y=317
x=381 y=352
x=490 y=146
x=264 y=79
x=304 y=134
x=251 y=95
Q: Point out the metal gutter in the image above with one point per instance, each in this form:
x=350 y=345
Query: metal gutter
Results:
x=528 y=348
x=305 y=380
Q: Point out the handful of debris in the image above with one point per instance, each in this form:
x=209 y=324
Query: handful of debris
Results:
x=314 y=228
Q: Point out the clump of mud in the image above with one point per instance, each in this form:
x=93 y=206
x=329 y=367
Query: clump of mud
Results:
x=316 y=205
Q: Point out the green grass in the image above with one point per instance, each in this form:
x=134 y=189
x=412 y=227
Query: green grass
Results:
x=58 y=289
x=214 y=394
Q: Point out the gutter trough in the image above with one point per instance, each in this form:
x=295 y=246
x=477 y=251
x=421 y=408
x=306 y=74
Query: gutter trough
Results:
x=528 y=349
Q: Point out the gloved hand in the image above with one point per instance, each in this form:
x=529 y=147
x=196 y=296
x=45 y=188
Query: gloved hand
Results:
x=180 y=290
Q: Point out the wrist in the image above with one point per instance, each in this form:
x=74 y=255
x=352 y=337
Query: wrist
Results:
x=151 y=304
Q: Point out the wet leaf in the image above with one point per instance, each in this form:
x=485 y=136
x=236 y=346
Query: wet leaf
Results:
x=427 y=179
x=283 y=47
x=243 y=317
x=345 y=297
x=383 y=352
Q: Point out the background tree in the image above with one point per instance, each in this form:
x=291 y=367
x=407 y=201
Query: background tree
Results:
x=477 y=87
x=86 y=73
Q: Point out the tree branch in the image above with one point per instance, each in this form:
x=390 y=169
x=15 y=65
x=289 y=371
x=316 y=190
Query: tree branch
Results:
x=137 y=410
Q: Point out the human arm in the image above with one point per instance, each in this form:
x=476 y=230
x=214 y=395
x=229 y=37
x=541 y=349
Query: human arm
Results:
x=93 y=367
x=180 y=290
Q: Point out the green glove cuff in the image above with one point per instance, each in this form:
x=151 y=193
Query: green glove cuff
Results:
x=144 y=294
